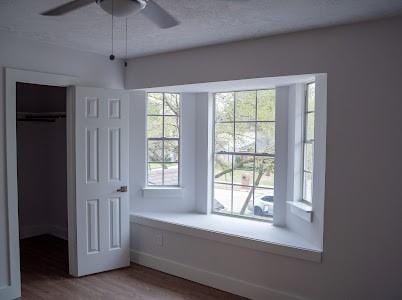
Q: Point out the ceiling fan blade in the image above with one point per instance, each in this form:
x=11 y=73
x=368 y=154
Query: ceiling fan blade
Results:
x=66 y=8
x=158 y=15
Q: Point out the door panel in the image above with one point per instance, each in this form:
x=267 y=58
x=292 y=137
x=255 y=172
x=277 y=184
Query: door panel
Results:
x=114 y=154
x=101 y=206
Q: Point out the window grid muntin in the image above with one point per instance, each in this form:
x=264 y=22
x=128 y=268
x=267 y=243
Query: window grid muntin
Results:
x=306 y=141
x=234 y=153
x=163 y=139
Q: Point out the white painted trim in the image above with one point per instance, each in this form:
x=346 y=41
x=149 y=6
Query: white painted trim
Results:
x=320 y=150
x=12 y=76
x=301 y=210
x=236 y=240
x=71 y=179
x=215 y=280
x=162 y=192
x=281 y=154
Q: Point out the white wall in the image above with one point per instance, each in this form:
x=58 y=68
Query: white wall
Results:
x=362 y=240
x=91 y=69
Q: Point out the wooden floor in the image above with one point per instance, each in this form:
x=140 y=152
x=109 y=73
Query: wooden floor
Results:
x=44 y=272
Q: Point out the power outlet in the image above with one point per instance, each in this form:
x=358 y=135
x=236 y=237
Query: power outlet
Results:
x=159 y=238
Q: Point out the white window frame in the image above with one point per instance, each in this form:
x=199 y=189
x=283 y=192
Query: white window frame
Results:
x=296 y=204
x=305 y=142
x=149 y=187
x=234 y=153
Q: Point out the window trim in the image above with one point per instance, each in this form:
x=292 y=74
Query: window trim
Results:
x=234 y=152
x=163 y=139
x=311 y=142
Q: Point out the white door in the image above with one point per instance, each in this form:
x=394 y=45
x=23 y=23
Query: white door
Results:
x=99 y=237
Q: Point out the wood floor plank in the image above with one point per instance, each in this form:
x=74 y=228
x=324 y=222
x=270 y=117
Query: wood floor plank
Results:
x=44 y=273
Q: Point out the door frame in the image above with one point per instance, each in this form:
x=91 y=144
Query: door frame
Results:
x=12 y=76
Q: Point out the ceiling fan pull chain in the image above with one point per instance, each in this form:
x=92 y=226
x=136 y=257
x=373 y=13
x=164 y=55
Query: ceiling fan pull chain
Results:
x=125 y=62
x=112 y=55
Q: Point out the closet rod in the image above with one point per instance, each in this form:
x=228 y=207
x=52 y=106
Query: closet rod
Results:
x=36 y=120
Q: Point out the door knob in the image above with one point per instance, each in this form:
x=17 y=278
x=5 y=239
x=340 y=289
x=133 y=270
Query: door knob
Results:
x=123 y=189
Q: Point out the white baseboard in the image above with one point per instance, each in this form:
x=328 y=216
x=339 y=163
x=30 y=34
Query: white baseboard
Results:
x=35 y=230
x=215 y=280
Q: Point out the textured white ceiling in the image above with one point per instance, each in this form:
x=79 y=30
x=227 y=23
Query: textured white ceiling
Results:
x=203 y=22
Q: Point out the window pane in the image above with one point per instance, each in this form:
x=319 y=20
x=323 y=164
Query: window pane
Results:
x=307 y=186
x=264 y=172
x=154 y=174
x=245 y=106
x=311 y=97
x=224 y=107
x=243 y=169
x=222 y=198
x=155 y=104
x=251 y=133
x=224 y=137
x=266 y=138
x=266 y=105
x=172 y=127
x=245 y=137
x=155 y=127
x=171 y=174
x=242 y=200
x=172 y=104
x=310 y=126
x=223 y=168
x=308 y=156
x=172 y=151
x=155 y=151
x=263 y=202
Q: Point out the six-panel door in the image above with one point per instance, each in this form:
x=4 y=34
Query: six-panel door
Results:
x=102 y=206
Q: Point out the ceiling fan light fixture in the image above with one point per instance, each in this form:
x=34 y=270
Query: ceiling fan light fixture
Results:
x=122 y=8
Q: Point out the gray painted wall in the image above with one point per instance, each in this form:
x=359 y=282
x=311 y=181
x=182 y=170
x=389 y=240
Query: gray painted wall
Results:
x=362 y=241
x=90 y=69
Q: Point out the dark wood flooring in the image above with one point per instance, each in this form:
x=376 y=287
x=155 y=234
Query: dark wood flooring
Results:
x=44 y=273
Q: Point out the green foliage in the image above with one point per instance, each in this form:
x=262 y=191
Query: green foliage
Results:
x=310 y=97
x=245 y=105
x=224 y=107
x=255 y=113
x=155 y=104
x=266 y=105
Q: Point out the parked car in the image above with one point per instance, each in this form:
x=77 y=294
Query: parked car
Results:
x=264 y=206
x=218 y=206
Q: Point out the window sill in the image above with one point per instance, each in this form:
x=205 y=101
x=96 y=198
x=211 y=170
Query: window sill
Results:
x=260 y=236
x=163 y=192
x=301 y=210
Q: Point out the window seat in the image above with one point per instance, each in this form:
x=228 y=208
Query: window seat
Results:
x=256 y=235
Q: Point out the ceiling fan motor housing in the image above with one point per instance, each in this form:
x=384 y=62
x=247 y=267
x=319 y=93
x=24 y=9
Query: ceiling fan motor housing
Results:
x=122 y=8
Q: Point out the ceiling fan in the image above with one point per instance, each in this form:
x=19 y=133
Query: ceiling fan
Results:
x=121 y=8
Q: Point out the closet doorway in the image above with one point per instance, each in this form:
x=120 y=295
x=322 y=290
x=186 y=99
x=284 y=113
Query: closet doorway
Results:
x=42 y=180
